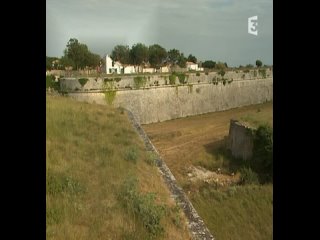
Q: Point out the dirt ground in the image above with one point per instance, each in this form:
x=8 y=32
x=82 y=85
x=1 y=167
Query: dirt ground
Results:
x=189 y=145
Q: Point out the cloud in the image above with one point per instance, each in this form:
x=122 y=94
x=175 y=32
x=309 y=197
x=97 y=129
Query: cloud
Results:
x=209 y=29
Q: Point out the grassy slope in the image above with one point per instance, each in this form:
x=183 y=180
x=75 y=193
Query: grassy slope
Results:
x=242 y=212
x=86 y=148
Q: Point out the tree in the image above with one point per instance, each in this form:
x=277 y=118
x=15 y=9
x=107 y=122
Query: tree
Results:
x=221 y=67
x=66 y=62
x=182 y=61
x=209 y=64
x=79 y=54
x=192 y=58
x=173 y=56
x=121 y=53
x=157 y=55
x=249 y=66
x=258 y=63
x=139 y=53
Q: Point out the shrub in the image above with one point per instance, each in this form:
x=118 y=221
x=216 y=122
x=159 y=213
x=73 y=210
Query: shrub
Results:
x=131 y=155
x=222 y=72
x=151 y=158
x=262 y=159
x=144 y=206
x=110 y=96
x=50 y=82
x=197 y=74
x=139 y=82
x=248 y=176
x=182 y=78
x=83 y=81
x=172 y=79
x=262 y=72
x=206 y=73
x=118 y=79
x=107 y=80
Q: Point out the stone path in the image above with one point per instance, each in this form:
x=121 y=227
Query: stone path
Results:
x=195 y=223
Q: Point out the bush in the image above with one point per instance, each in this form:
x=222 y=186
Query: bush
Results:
x=197 y=74
x=110 y=96
x=144 y=206
x=182 y=78
x=83 y=81
x=139 y=82
x=263 y=73
x=172 y=79
x=50 y=82
x=248 y=176
x=262 y=159
x=118 y=79
x=131 y=155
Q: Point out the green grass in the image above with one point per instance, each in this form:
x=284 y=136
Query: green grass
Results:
x=91 y=151
x=241 y=212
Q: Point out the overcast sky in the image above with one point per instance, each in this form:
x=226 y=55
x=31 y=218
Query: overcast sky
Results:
x=208 y=29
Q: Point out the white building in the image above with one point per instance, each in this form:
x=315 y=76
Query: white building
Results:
x=193 y=66
x=117 y=67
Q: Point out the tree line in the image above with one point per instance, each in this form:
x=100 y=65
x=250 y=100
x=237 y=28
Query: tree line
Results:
x=78 y=56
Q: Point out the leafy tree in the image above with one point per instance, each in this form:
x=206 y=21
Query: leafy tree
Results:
x=66 y=62
x=182 y=61
x=258 y=63
x=139 y=53
x=221 y=67
x=157 y=55
x=121 y=53
x=79 y=54
x=173 y=56
x=209 y=64
x=192 y=58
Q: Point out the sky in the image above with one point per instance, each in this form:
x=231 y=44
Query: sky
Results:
x=208 y=29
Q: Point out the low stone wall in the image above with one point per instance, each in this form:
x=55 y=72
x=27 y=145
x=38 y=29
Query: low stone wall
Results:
x=240 y=140
x=196 y=225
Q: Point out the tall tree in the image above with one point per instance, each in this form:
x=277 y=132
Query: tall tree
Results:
x=209 y=64
x=173 y=56
x=258 y=63
x=192 y=58
x=80 y=55
x=182 y=61
x=138 y=54
x=157 y=55
x=121 y=53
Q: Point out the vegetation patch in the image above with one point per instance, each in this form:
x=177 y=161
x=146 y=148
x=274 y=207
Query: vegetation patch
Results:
x=172 y=79
x=197 y=74
x=83 y=81
x=110 y=96
x=263 y=73
x=139 y=81
x=117 y=79
x=181 y=77
x=143 y=206
x=51 y=83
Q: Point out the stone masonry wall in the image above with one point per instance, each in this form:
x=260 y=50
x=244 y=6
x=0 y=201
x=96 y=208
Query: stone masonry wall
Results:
x=170 y=102
x=240 y=140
